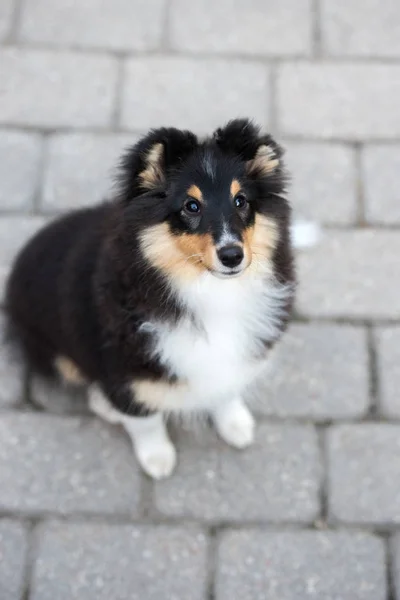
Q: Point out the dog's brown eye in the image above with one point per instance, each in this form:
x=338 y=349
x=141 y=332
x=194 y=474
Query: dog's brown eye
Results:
x=192 y=206
x=240 y=201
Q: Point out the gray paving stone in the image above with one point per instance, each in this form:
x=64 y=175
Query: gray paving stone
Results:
x=395 y=547
x=11 y=371
x=59 y=399
x=381 y=167
x=323 y=181
x=299 y=565
x=368 y=29
x=19 y=169
x=116 y=25
x=277 y=479
x=100 y=562
x=351 y=274
x=6 y=14
x=196 y=94
x=364 y=473
x=388 y=355
x=320 y=371
x=64 y=465
x=80 y=169
x=13 y=548
x=46 y=89
x=14 y=232
x=243 y=27
x=341 y=102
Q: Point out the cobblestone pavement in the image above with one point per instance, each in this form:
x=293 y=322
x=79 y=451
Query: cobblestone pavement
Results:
x=313 y=509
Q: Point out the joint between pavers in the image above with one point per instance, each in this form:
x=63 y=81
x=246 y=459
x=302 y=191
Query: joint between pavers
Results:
x=360 y=196
x=12 y=37
x=355 y=321
x=157 y=52
x=286 y=137
x=391 y=591
x=165 y=42
x=316 y=29
x=146 y=500
x=364 y=226
x=43 y=163
x=212 y=535
x=272 y=117
x=373 y=373
x=347 y=141
x=30 y=559
x=211 y=528
x=321 y=522
x=162 y=52
x=119 y=89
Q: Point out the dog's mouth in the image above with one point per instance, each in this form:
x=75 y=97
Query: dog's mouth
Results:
x=231 y=274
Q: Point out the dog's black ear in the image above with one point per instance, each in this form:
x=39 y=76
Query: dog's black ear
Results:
x=261 y=153
x=145 y=166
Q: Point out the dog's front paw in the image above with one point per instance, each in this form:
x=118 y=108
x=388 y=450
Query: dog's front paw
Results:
x=235 y=424
x=158 y=460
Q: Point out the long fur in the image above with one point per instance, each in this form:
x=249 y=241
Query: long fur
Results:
x=127 y=294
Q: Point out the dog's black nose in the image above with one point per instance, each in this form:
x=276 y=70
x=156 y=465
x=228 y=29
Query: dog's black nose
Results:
x=230 y=256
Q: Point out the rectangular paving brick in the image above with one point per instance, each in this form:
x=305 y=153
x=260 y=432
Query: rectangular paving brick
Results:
x=388 y=357
x=13 y=550
x=64 y=465
x=395 y=547
x=369 y=29
x=14 y=233
x=323 y=185
x=20 y=155
x=6 y=15
x=364 y=468
x=100 y=562
x=79 y=169
x=339 y=100
x=243 y=26
x=319 y=371
x=351 y=274
x=195 y=94
x=12 y=371
x=62 y=89
x=277 y=479
x=300 y=565
x=380 y=169
x=111 y=24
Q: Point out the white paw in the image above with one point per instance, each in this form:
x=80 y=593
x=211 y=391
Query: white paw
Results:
x=157 y=461
x=235 y=425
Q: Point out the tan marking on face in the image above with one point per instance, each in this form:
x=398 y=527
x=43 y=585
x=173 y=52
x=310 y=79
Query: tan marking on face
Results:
x=235 y=187
x=265 y=161
x=159 y=395
x=153 y=174
x=195 y=192
x=182 y=256
x=260 y=240
x=69 y=371
x=197 y=247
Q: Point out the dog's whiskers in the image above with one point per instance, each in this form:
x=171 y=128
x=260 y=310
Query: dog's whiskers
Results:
x=194 y=256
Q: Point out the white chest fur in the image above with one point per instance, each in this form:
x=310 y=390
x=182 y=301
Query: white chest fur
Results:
x=217 y=354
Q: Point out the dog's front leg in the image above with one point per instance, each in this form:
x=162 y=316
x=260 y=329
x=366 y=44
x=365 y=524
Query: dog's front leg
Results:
x=234 y=422
x=152 y=445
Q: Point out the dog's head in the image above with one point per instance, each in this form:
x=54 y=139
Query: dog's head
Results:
x=214 y=205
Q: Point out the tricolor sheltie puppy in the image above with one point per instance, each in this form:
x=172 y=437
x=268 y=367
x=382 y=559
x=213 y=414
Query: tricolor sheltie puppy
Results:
x=169 y=297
